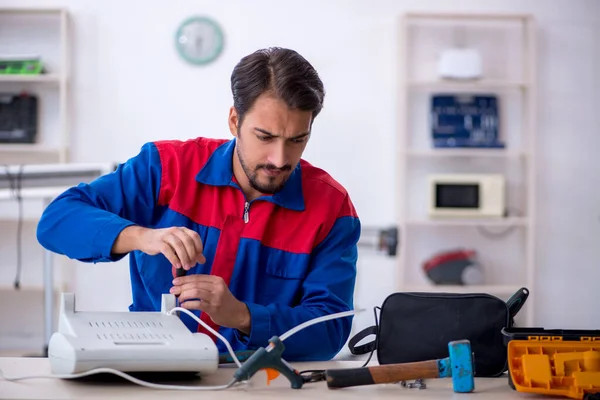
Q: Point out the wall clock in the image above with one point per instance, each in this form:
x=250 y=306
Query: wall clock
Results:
x=199 y=40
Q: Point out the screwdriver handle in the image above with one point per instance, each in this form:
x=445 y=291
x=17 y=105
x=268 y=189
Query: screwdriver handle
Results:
x=179 y=272
x=516 y=301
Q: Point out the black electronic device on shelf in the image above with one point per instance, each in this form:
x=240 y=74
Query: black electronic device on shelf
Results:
x=18 y=117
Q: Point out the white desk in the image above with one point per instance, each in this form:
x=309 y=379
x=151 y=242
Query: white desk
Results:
x=485 y=388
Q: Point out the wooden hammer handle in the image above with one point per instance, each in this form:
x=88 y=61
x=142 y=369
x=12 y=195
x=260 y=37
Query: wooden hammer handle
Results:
x=391 y=373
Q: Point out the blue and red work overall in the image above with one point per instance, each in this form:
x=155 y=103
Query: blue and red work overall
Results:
x=289 y=257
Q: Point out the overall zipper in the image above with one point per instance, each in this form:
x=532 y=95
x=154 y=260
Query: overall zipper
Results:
x=246 y=214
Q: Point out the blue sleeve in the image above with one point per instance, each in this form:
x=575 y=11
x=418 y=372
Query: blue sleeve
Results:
x=83 y=222
x=328 y=289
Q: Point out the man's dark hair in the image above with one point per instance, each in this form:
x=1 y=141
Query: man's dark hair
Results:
x=284 y=72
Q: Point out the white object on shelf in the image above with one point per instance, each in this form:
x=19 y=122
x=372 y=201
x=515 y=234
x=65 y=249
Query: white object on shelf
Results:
x=467 y=195
x=460 y=64
x=419 y=69
x=128 y=341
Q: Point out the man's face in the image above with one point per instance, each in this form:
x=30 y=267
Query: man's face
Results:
x=270 y=142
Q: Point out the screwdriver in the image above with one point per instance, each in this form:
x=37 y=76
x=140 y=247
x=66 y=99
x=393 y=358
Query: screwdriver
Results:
x=179 y=272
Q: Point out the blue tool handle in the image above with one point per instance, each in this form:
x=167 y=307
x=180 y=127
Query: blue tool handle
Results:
x=269 y=358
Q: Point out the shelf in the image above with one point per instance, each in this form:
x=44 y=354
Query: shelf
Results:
x=24 y=78
x=473 y=16
x=17 y=153
x=32 y=10
x=506 y=222
x=33 y=193
x=466 y=153
x=27 y=148
x=492 y=289
x=470 y=85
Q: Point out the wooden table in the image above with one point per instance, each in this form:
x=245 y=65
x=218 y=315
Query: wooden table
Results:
x=50 y=388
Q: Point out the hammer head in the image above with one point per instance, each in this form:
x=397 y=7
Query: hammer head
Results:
x=462 y=366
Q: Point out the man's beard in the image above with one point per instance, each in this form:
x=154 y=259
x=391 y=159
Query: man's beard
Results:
x=270 y=188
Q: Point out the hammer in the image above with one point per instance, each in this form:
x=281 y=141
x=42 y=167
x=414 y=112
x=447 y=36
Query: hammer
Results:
x=459 y=365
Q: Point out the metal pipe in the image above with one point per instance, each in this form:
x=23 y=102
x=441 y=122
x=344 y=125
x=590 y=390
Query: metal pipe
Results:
x=48 y=294
x=380 y=239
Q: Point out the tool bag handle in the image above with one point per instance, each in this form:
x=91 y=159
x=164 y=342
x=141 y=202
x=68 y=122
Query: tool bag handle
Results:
x=367 y=347
x=363 y=348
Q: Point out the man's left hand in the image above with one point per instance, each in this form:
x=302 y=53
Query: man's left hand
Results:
x=210 y=294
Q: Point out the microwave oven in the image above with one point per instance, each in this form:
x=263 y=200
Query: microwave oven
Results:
x=467 y=195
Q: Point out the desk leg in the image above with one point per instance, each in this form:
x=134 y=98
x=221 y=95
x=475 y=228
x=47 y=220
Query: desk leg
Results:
x=48 y=294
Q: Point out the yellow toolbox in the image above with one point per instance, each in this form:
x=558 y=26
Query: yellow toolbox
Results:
x=562 y=363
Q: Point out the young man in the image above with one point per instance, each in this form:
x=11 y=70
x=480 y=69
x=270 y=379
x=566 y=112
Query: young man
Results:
x=268 y=240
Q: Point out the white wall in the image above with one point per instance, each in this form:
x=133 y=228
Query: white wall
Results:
x=129 y=87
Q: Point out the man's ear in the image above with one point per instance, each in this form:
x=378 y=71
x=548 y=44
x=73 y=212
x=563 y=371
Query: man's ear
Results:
x=233 y=121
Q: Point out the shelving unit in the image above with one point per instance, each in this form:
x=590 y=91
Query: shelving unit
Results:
x=43 y=31
x=505 y=246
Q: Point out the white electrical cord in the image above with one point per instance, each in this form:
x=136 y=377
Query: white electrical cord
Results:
x=151 y=385
x=316 y=321
x=122 y=375
x=211 y=330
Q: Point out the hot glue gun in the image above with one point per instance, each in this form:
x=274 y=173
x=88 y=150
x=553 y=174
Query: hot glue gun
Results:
x=269 y=359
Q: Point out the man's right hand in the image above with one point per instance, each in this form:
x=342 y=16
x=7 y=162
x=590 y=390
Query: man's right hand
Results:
x=181 y=246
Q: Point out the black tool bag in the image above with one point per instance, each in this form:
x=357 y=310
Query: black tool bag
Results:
x=418 y=326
